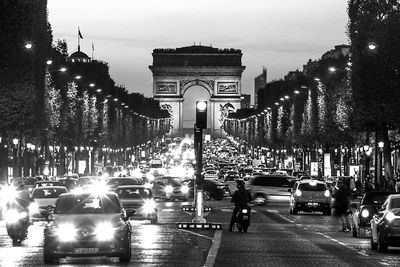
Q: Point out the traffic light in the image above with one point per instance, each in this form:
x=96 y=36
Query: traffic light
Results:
x=201 y=114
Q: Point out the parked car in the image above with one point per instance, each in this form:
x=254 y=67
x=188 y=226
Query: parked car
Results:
x=266 y=188
x=85 y=225
x=43 y=198
x=310 y=195
x=385 y=225
x=138 y=201
x=369 y=206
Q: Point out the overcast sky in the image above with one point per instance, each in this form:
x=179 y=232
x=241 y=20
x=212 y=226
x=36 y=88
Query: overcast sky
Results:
x=278 y=34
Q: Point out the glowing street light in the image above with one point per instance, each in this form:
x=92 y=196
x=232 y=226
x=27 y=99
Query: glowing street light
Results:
x=371 y=46
x=296 y=92
x=78 y=77
x=28 y=46
x=332 y=69
x=63 y=69
x=49 y=62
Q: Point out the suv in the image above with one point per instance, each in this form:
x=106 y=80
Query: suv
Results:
x=87 y=225
x=265 y=188
x=310 y=195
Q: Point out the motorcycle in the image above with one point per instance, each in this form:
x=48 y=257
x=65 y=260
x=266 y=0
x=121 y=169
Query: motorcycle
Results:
x=17 y=223
x=243 y=219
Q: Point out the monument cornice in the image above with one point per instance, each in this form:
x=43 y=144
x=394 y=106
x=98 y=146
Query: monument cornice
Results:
x=196 y=72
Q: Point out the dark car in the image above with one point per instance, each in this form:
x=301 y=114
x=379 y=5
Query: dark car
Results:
x=369 y=206
x=171 y=188
x=69 y=183
x=211 y=188
x=85 y=225
x=47 y=183
x=385 y=225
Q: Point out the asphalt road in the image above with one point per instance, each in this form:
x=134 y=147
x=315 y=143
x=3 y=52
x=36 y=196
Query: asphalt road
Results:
x=275 y=238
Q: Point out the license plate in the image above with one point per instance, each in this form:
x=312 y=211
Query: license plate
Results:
x=86 y=250
x=245 y=217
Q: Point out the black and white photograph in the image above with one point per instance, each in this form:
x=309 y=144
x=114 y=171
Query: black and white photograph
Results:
x=212 y=133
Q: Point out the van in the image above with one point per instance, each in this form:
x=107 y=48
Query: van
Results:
x=274 y=188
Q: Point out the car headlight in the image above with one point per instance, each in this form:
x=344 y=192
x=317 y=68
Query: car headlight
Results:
x=185 y=189
x=104 y=231
x=169 y=189
x=66 y=232
x=244 y=211
x=33 y=208
x=327 y=193
x=365 y=213
x=149 y=206
x=13 y=216
x=390 y=216
x=298 y=193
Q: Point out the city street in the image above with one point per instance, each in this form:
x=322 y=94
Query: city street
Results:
x=275 y=238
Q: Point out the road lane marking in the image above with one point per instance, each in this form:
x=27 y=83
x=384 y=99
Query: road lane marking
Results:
x=226 y=210
x=362 y=253
x=273 y=211
x=193 y=233
x=167 y=210
x=213 y=252
x=283 y=217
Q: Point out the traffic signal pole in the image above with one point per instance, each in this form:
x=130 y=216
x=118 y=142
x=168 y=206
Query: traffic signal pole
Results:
x=198 y=142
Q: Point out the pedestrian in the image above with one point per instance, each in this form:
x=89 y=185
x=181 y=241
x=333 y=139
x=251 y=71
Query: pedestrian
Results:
x=342 y=205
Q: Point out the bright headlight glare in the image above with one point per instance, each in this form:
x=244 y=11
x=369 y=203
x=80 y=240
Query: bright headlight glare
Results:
x=185 y=189
x=327 y=193
x=390 y=216
x=298 y=193
x=168 y=189
x=104 y=231
x=33 y=208
x=13 y=216
x=66 y=232
x=149 y=206
x=244 y=211
x=365 y=213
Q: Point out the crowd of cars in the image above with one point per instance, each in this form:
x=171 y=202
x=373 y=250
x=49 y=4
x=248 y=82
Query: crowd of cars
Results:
x=94 y=210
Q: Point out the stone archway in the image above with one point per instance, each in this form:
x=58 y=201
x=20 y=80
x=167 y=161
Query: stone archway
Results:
x=219 y=71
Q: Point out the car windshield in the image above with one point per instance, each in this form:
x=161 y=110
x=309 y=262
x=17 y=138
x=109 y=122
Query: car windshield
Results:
x=395 y=203
x=170 y=181
x=82 y=204
x=48 y=192
x=133 y=193
x=374 y=199
x=312 y=187
x=117 y=182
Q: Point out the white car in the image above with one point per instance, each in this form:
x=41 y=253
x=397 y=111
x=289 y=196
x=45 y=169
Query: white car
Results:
x=211 y=174
x=44 y=198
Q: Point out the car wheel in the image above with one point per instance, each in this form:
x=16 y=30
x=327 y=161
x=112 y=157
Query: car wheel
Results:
x=373 y=244
x=206 y=195
x=327 y=212
x=218 y=196
x=295 y=211
x=381 y=247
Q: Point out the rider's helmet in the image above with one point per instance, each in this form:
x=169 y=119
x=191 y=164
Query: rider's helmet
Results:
x=239 y=184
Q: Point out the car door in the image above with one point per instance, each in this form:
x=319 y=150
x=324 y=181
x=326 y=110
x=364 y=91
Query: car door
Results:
x=375 y=221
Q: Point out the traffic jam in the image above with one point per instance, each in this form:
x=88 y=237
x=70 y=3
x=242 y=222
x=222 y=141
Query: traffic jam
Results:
x=85 y=216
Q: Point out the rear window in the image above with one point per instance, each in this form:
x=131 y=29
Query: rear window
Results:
x=311 y=187
x=83 y=204
x=48 y=192
x=134 y=193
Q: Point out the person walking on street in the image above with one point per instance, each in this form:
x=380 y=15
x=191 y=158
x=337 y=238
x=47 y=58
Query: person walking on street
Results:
x=241 y=197
x=342 y=205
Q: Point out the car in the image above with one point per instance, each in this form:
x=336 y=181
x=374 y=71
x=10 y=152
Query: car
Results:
x=310 y=195
x=43 y=198
x=211 y=174
x=231 y=176
x=211 y=188
x=114 y=182
x=300 y=174
x=271 y=187
x=385 y=225
x=88 y=180
x=171 y=188
x=83 y=225
x=138 y=201
x=69 y=183
x=47 y=183
x=369 y=206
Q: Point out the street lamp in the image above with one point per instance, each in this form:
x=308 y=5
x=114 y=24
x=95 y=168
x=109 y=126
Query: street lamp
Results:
x=381 y=144
x=365 y=149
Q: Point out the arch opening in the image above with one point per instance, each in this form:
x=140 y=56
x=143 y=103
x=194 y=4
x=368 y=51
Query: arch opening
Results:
x=191 y=95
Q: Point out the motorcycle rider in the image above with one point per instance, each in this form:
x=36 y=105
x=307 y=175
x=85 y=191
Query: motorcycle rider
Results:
x=241 y=197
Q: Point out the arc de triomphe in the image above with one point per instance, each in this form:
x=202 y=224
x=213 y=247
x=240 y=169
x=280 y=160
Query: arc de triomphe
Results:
x=219 y=71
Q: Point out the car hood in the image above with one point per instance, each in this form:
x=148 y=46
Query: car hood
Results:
x=86 y=219
x=45 y=201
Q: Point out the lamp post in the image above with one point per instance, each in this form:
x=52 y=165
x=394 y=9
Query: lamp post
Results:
x=366 y=175
x=379 y=176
